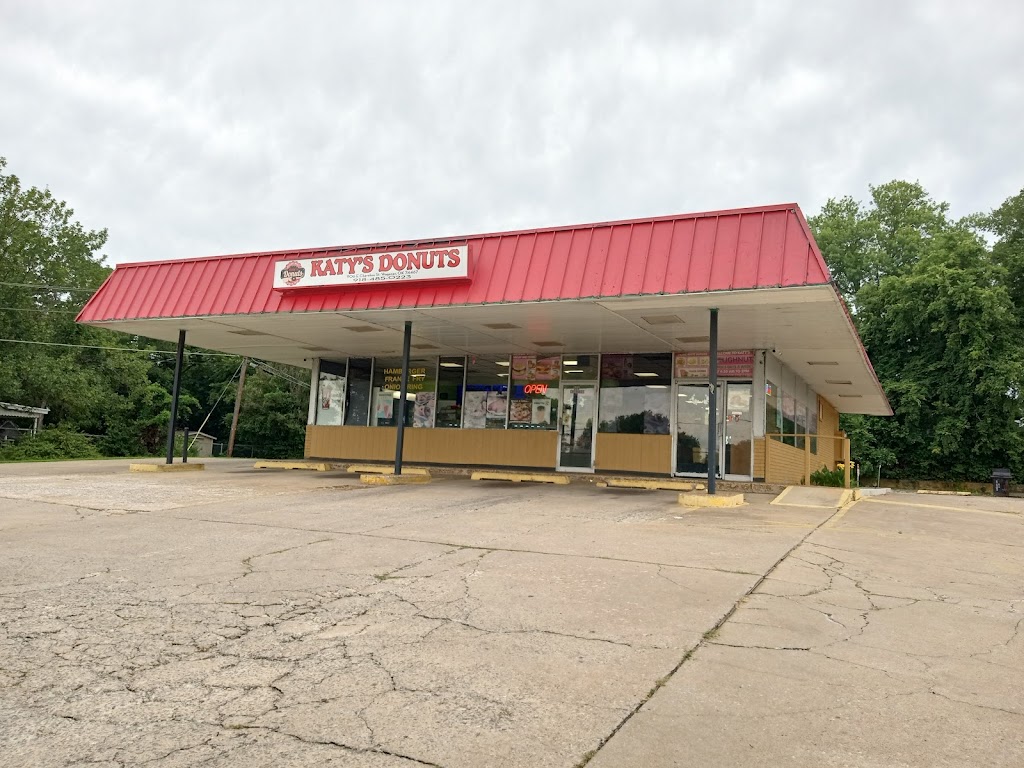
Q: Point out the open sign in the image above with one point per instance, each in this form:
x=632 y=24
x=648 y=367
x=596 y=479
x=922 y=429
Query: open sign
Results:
x=535 y=389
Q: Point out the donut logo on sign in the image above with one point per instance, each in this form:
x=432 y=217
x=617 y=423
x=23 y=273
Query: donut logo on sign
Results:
x=292 y=273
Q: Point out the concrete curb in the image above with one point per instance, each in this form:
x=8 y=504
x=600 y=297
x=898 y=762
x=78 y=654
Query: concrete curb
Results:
x=193 y=467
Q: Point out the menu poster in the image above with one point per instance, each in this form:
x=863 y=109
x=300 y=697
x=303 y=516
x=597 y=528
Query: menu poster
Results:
x=731 y=365
x=423 y=410
x=547 y=368
x=330 y=400
x=616 y=366
x=475 y=413
x=524 y=367
x=385 y=407
x=497 y=404
x=541 y=412
x=522 y=412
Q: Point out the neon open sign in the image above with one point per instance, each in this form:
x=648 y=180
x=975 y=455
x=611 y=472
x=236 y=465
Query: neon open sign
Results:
x=535 y=389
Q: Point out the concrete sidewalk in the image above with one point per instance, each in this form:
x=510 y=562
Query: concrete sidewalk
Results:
x=234 y=618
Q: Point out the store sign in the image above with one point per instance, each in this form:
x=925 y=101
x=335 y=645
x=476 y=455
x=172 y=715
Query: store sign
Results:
x=448 y=263
x=731 y=365
x=535 y=389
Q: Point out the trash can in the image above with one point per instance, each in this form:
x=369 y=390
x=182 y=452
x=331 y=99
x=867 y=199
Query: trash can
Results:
x=1001 y=482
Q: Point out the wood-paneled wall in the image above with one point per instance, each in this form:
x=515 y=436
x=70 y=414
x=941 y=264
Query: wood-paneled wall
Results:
x=487 y=447
x=651 y=454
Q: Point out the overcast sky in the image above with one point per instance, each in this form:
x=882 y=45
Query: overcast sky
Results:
x=191 y=129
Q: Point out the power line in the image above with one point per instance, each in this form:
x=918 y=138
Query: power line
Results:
x=113 y=349
x=62 y=288
x=40 y=309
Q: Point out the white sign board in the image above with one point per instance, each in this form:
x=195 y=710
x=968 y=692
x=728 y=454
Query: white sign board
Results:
x=449 y=262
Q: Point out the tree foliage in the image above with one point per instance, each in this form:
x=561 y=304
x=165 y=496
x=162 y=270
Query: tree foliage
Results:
x=109 y=385
x=940 y=316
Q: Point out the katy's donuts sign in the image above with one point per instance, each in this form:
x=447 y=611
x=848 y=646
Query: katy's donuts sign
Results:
x=448 y=263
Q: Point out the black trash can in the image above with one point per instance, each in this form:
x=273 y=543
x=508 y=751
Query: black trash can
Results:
x=1001 y=482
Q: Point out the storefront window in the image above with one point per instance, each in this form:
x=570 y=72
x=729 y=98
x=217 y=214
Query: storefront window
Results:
x=772 y=409
x=635 y=394
x=330 y=399
x=788 y=418
x=801 y=424
x=580 y=367
x=534 y=397
x=451 y=376
x=485 y=402
x=420 y=398
x=812 y=426
x=358 y=407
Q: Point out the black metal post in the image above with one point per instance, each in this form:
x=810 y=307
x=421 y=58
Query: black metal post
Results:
x=174 y=397
x=713 y=401
x=403 y=389
x=184 y=446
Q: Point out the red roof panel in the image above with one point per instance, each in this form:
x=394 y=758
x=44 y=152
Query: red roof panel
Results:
x=726 y=250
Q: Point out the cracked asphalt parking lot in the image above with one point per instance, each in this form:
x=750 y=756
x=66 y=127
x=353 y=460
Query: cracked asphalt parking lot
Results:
x=245 y=618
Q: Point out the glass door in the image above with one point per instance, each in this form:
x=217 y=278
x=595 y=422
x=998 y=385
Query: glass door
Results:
x=692 y=428
x=735 y=457
x=576 y=427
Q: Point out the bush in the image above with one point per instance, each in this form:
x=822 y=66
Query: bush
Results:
x=830 y=477
x=49 y=444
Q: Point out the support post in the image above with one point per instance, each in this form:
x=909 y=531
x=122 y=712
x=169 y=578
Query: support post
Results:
x=402 y=390
x=807 y=458
x=175 y=391
x=184 y=446
x=713 y=401
x=238 y=407
x=846 y=462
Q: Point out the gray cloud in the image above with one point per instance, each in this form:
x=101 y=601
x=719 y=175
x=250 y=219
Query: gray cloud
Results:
x=200 y=128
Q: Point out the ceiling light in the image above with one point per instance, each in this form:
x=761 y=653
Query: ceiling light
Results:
x=841 y=395
x=656 y=386
x=570 y=362
x=424 y=346
x=502 y=362
x=822 y=362
x=503 y=375
x=451 y=365
x=501 y=326
x=836 y=381
x=646 y=374
x=548 y=344
x=361 y=328
x=574 y=370
x=247 y=332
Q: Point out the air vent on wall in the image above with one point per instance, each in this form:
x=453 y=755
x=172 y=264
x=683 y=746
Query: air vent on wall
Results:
x=822 y=362
x=662 y=319
x=361 y=328
x=317 y=349
x=692 y=339
x=247 y=332
x=548 y=344
x=837 y=381
x=424 y=346
x=502 y=326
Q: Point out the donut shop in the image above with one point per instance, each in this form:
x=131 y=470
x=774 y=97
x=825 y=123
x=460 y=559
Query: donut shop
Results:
x=709 y=344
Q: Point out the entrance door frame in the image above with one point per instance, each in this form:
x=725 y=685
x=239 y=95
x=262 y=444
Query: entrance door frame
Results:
x=593 y=432
x=721 y=400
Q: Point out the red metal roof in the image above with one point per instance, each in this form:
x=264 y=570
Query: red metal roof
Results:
x=746 y=248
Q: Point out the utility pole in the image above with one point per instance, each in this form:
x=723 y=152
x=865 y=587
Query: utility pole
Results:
x=238 y=406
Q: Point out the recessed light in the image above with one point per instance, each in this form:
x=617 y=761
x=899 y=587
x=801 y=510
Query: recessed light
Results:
x=451 y=365
x=502 y=362
x=548 y=344
x=570 y=362
x=247 y=332
x=656 y=386
x=692 y=339
x=503 y=375
x=574 y=370
x=424 y=346
x=836 y=381
x=646 y=374
x=841 y=395
x=822 y=362
x=662 y=319
x=361 y=328
x=502 y=326
x=317 y=349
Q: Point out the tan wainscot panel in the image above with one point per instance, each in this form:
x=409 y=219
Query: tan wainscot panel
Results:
x=489 y=447
x=784 y=463
x=759 y=457
x=651 y=454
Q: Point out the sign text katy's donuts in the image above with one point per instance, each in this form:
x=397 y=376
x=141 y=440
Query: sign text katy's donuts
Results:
x=450 y=262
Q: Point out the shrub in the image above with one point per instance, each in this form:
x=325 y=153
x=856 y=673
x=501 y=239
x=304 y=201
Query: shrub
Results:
x=51 y=443
x=830 y=477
